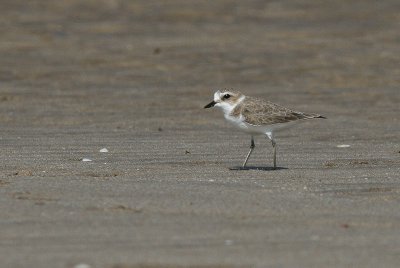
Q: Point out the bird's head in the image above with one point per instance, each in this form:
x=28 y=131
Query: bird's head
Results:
x=225 y=99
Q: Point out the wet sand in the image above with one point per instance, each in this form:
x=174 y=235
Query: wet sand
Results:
x=133 y=76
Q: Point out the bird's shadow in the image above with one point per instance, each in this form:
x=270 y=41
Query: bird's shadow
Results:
x=256 y=168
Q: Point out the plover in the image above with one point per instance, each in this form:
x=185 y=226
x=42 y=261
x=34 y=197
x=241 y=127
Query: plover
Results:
x=256 y=116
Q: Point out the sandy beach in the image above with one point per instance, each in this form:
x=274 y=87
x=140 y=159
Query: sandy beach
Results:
x=133 y=77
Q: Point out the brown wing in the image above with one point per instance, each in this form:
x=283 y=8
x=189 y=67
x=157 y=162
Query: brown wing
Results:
x=259 y=112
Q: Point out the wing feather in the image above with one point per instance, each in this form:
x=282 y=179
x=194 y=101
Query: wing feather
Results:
x=259 y=112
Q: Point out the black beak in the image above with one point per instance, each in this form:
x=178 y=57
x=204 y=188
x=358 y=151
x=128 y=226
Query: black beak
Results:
x=211 y=104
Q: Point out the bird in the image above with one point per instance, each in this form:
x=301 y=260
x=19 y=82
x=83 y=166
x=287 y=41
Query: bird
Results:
x=256 y=116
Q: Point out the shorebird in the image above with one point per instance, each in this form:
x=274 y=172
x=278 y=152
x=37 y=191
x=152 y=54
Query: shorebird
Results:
x=256 y=116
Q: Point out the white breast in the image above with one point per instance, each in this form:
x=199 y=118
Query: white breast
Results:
x=240 y=123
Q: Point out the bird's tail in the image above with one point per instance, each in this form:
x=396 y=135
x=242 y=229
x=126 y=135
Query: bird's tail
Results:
x=311 y=116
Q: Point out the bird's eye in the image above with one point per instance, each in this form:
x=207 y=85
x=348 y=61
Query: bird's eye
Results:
x=227 y=96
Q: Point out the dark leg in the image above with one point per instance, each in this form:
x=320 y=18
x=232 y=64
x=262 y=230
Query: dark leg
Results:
x=274 y=145
x=252 y=145
x=270 y=136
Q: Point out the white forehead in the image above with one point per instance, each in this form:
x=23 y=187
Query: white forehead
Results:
x=217 y=95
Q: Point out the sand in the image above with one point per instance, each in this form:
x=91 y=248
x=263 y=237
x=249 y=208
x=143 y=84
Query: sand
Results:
x=133 y=77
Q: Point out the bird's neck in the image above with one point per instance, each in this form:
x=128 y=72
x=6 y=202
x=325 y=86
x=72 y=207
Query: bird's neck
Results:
x=228 y=109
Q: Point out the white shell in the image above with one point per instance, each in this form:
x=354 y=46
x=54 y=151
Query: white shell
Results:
x=343 y=146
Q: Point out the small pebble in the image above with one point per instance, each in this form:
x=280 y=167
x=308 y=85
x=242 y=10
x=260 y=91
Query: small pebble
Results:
x=104 y=150
x=86 y=160
x=82 y=265
x=228 y=242
x=343 y=146
x=157 y=50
